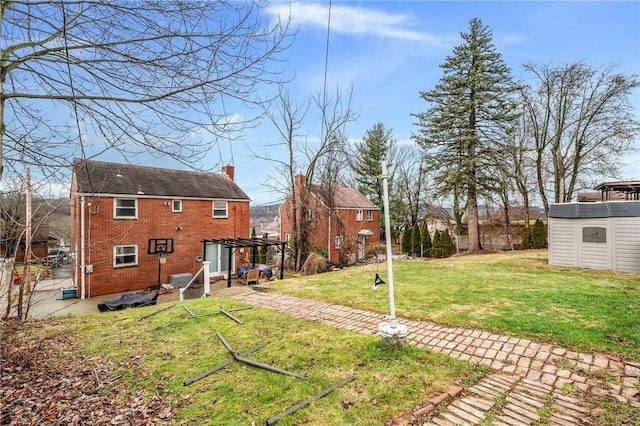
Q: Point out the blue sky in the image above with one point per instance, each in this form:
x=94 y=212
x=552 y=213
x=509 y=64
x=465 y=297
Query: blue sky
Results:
x=391 y=50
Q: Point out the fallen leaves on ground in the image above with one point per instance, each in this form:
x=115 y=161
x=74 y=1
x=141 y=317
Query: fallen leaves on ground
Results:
x=42 y=382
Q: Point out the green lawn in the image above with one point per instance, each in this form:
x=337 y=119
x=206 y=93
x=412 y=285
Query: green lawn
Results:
x=514 y=292
x=159 y=353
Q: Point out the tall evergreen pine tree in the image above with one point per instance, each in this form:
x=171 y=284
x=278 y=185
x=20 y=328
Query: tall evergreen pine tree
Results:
x=470 y=108
x=367 y=168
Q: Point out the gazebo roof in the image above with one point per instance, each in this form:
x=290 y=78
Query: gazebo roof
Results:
x=630 y=188
x=622 y=186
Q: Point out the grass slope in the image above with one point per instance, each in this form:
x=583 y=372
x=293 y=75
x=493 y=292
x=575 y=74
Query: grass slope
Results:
x=514 y=292
x=159 y=353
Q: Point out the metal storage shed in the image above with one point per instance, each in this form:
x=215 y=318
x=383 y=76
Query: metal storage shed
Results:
x=595 y=235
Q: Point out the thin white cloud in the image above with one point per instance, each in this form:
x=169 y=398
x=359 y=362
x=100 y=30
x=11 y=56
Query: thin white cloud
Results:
x=512 y=39
x=357 y=21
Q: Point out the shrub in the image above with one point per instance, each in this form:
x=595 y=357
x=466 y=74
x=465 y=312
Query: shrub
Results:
x=406 y=239
x=315 y=264
x=539 y=234
x=436 y=246
x=426 y=239
x=447 y=244
x=415 y=240
x=535 y=237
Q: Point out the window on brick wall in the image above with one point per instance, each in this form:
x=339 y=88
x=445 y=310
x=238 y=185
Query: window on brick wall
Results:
x=369 y=215
x=359 y=215
x=125 y=255
x=125 y=208
x=220 y=209
x=176 y=206
x=339 y=240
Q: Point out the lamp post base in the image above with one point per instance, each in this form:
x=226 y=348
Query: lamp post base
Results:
x=393 y=334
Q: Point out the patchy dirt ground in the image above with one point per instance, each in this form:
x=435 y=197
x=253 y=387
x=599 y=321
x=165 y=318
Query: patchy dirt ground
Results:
x=43 y=383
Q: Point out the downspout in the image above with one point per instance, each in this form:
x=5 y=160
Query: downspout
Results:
x=82 y=266
x=88 y=254
x=329 y=233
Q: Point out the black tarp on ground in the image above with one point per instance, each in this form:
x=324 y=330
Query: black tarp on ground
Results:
x=128 y=301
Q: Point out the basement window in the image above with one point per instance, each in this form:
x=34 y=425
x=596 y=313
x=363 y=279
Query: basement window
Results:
x=125 y=256
x=594 y=234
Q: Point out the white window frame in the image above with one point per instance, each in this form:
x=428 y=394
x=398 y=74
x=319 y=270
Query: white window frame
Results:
x=117 y=208
x=369 y=215
x=287 y=238
x=338 y=241
x=217 y=207
x=116 y=255
x=308 y=214
x=176 y=206
x=359 y=215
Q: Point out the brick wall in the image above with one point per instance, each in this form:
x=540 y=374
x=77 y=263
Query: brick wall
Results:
x=343 y=223
x=155 y=220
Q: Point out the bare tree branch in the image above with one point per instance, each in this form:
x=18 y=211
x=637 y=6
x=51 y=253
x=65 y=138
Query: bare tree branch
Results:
x=164 y=77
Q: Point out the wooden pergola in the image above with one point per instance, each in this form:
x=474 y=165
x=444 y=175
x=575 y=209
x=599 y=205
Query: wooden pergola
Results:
x=234 y=243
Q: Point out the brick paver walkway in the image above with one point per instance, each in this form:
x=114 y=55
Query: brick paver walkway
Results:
x=531 y=382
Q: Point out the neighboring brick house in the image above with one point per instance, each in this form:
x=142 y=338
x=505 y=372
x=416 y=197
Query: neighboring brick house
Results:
x=117 y=208
x=342 y=222
x=40 y=241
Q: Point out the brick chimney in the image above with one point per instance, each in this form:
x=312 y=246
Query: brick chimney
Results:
x=228 y=170
x=299 y=181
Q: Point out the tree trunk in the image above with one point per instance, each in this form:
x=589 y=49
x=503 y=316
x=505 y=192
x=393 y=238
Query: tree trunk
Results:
x=473 y=223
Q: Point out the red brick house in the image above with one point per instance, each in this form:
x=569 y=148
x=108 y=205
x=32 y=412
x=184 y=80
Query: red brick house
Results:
x=342 y=222
x=117 y=209
x=40 y=241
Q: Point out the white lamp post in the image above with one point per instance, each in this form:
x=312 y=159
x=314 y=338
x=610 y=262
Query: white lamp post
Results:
x=392 y=333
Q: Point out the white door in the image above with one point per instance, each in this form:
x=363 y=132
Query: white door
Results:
x=361 y=240
x=218 y=256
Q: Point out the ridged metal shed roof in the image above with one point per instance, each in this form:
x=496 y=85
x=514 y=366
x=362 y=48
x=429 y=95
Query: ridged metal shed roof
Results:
x=595 y=210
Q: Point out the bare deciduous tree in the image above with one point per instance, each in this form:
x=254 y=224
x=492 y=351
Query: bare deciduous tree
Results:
x=581 y=123
x=410 y=177
x=16 y=299
x=83 y=77
x=315 y=159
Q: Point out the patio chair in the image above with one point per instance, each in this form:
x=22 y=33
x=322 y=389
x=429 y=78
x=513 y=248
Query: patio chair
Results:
x=253 y=277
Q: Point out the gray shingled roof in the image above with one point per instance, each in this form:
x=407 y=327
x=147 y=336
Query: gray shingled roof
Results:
x=97 y=177
x=346 y=198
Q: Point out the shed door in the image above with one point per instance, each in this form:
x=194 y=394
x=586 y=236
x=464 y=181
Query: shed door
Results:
x=595 y=242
